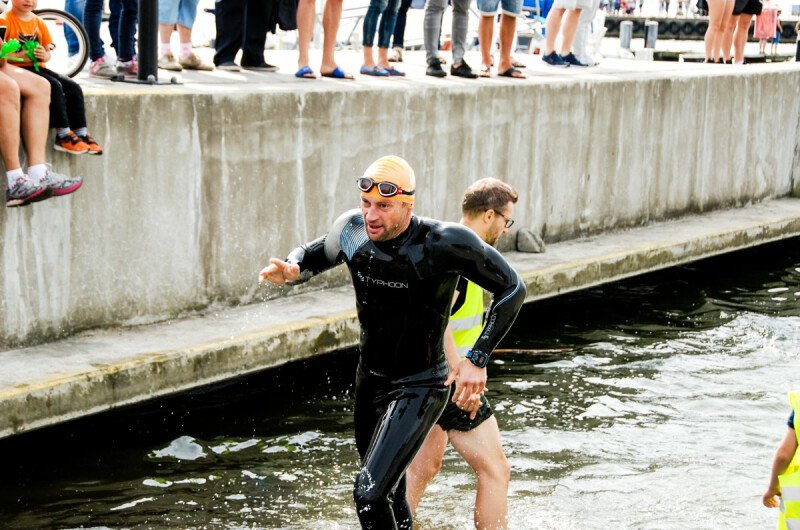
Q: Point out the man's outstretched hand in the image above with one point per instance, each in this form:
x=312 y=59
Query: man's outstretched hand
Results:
x=279 y=272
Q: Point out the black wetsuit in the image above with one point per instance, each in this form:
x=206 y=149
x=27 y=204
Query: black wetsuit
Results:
x=404 y=290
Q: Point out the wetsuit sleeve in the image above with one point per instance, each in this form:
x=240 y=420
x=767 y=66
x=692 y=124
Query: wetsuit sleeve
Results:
x=482 y=264
x=791 y=420
x=321 y=254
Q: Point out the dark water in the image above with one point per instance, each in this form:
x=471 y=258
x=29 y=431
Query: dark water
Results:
x=663 y=413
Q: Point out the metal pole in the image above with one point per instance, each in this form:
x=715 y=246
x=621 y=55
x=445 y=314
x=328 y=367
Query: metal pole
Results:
x=625 y=34
x=148 y=41
x=650 y=33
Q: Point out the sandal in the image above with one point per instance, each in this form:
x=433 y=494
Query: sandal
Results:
x=512 y=72
x=338 y=73
x=485 y=71
x=305 y=73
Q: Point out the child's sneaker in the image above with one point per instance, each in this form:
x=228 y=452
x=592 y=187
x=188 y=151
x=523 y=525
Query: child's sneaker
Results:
x=94 y=147
x=100 y=68
x=71 y=143
x=128 y=68
x=554 y=59
x=193 y=62
x=23 y=191
x=168 y=62
x=59 y=184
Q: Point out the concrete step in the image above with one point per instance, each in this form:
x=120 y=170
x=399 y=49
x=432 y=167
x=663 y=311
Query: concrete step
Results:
x=99 y=370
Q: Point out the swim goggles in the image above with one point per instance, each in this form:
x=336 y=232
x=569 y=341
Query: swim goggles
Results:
x=386 y=189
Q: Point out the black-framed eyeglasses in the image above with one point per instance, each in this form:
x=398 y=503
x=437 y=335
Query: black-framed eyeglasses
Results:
x=386 y=189
x=509 y=222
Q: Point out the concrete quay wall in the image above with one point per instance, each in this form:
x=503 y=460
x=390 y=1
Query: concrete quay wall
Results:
x=201 y=184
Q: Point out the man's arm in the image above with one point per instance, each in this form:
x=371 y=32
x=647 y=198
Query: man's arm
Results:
x=485 y=266
x=307 y=260
x=783 y=457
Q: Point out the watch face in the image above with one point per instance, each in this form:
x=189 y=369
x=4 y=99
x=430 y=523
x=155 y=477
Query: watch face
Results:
x=478 y=358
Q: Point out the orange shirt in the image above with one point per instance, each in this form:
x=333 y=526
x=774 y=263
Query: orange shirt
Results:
x=22 y=30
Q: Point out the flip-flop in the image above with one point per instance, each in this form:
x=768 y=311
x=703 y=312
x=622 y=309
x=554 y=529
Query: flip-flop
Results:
x=394 y=72
x=338 y=73
x=378 y=71
x=485 y=71
x=305 y=73
x=513 y=73
x=517 y=64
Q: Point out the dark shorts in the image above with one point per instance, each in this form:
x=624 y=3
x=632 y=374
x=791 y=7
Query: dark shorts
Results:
x=747 y=7
x=453 y=418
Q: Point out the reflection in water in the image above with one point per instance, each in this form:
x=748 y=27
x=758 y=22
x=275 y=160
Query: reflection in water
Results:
x=663 y=413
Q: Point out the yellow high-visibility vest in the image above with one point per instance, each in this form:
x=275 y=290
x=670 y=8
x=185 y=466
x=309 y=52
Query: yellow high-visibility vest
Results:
x=467 y=322
x=789 y=518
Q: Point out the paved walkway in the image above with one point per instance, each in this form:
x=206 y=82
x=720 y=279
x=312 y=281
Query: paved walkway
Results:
x=99 y=370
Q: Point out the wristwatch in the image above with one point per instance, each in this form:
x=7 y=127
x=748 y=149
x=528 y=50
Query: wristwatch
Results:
x=478 y=358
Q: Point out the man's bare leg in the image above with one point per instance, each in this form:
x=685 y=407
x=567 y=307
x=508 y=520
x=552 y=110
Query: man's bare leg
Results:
x=425 y=466
x=306 y=11
x=508 y=28
x=568 y=30
x=483 y=450
x=330 y=27
x=485 y=30
x=35 y=116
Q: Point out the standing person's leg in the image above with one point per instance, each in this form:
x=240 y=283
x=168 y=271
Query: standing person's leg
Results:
x=255 y=37
x=579 y=44
x=508 y=30
x=723 y=39
x=306 y=13
x=432 y=26
x=459 y=31
x=74 y=8
x=385 y=31
x=483 y=450
x=552 y=27
x=331 y=17
x=368 y=29
x=568 y=30
x=740 y=38
x=715 y=10
x=126 y=33
x=187 y=13
x=425 y=466
x=167 y=18
x=400 y=31
x=488 y=12
x=229 y=19
x=92 y=17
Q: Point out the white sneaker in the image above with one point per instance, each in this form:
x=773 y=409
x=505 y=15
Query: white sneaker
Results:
x=168 y=62
x=100 y=68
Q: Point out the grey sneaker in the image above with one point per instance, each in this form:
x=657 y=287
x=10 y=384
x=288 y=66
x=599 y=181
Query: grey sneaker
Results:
x=59 y=184
x=193 y=62
x=168 y=62
x=100 y=68
x=23 y=191
x=128 y=68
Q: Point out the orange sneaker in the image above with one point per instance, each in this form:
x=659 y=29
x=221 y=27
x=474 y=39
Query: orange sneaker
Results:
x=94 y=148
x=71 y=143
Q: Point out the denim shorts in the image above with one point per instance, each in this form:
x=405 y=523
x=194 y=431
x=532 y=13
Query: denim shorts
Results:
x=181 y=12
x=488 y=8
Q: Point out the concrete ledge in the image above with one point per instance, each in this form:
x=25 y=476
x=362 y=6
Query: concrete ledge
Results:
x=201 y=182
x=96 y=371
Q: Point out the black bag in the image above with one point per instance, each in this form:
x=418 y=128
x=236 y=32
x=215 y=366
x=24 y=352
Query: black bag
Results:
x=702 y=7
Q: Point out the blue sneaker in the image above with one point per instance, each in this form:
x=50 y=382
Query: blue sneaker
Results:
x=554 y=59
x=571 y=60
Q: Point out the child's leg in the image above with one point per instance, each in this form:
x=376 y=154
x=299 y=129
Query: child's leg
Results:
x=58 y=103
x=127 y=29
x=73 y=99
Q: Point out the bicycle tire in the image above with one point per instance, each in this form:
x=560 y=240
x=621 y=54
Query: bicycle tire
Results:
x=60 y=61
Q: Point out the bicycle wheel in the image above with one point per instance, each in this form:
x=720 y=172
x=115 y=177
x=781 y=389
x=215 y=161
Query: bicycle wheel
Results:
x=70 y=43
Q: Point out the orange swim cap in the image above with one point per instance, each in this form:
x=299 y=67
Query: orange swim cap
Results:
x=395 y=170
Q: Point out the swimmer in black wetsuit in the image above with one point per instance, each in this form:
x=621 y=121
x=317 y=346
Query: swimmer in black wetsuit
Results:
x=404 y=271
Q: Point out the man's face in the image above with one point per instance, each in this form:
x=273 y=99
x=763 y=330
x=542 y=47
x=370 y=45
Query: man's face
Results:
x=498 y=226
x=384 y=218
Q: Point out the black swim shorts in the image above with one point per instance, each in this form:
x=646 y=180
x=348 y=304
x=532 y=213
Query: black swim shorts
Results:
x=455 y=418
